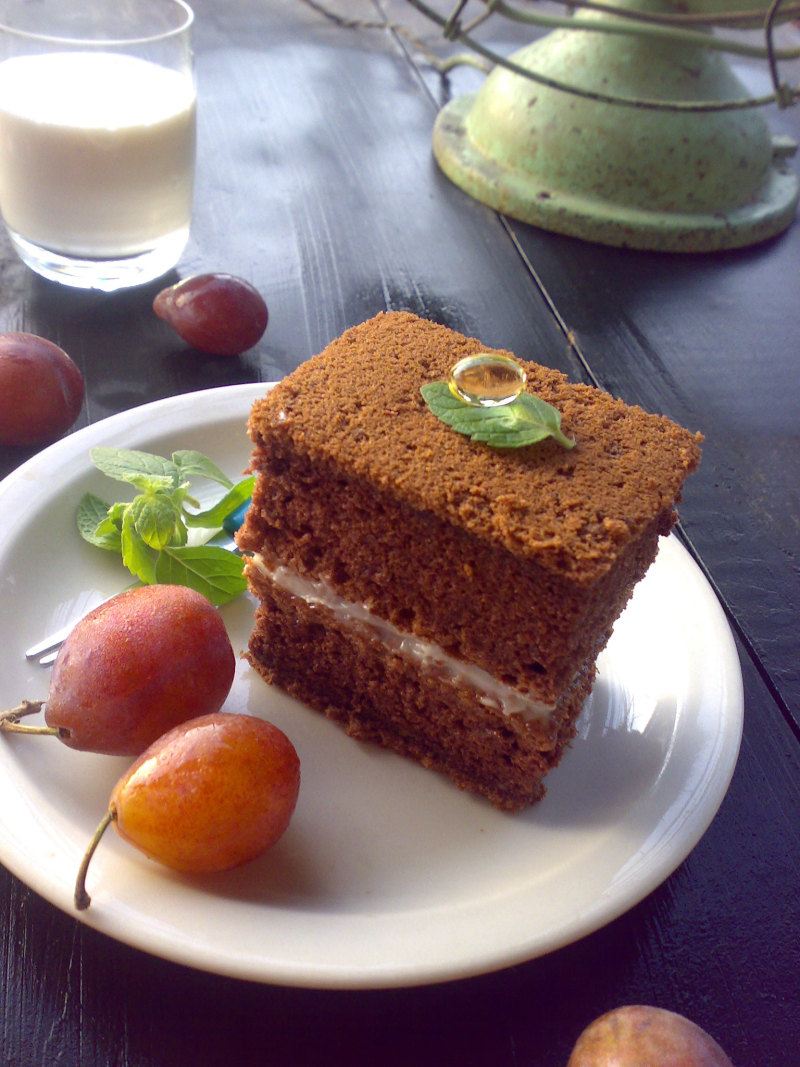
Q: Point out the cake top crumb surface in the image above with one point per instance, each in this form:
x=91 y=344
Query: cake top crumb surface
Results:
x=358 y=406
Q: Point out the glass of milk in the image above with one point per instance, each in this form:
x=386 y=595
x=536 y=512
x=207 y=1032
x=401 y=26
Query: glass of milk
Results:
x=97 y=137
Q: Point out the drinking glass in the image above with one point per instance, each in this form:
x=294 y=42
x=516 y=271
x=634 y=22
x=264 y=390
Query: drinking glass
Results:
x=97 y=137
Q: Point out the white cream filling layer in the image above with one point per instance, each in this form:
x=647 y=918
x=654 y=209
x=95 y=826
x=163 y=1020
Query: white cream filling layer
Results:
x=428 y=656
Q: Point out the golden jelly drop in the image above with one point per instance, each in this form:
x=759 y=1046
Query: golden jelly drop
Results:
x=487 y=380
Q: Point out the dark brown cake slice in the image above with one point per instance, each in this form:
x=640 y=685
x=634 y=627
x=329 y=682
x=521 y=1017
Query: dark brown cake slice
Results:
x=442 y=598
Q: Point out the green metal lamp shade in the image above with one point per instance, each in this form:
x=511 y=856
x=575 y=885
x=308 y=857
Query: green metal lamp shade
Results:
x=681 y=181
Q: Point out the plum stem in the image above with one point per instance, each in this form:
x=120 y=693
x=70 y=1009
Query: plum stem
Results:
x=25 y=707
x=9 y=720
x=82 y=898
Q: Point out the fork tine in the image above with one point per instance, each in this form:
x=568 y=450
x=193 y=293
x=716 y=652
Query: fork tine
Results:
x=50 y=658
x=50 y=642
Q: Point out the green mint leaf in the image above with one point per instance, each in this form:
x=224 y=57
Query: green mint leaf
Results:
x=525 y=421
x=195 y=465
x=95 y=526
x=215 y=516
x=112 y=524
x=157 y=520
x=108 y=535
x=150 y=531
x=143 y=470
x=214 y=572
x=135 y=554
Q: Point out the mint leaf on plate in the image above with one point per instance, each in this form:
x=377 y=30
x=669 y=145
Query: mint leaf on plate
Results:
x=158 y=520
x=96 y=525
x=232 y=501
x=140 y=469
x=151 y=531
x=195 y=465
x=213 y=571
x=135 y=553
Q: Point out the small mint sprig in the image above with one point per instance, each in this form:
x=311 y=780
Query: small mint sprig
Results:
x=525 y=421
x=151 y=531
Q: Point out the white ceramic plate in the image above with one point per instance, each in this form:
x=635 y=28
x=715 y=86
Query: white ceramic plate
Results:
x=387 y=875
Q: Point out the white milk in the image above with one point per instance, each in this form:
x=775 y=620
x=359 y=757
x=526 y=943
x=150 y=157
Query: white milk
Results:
x=96 y=152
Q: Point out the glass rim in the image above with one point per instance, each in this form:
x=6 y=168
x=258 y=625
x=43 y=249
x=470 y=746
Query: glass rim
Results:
x=107 y=42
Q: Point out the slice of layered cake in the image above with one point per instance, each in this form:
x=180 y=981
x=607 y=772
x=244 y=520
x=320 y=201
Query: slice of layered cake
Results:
x=433 y=594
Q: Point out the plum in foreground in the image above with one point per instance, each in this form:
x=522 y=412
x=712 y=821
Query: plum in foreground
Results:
x=212 y=794
x=642 y=1036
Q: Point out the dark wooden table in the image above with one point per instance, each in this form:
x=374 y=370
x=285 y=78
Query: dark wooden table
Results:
x=316 y=182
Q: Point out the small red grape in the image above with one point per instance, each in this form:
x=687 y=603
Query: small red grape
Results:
x=215 y=313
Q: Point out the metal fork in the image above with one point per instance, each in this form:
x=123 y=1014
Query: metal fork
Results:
x=46 y=650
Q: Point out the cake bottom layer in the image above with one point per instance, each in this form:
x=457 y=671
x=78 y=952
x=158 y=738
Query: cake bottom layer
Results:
x=340 y=668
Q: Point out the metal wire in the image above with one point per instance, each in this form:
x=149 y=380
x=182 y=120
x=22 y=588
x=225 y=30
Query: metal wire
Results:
x=652 y=25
